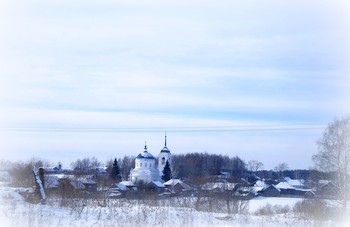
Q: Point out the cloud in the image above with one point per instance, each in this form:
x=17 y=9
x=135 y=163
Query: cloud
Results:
x=193 y=63
x=184 y=90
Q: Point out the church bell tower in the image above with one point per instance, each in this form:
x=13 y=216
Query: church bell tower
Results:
x=163 y=157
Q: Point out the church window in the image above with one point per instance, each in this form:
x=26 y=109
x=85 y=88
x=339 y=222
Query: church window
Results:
x=140 y=164
x=163 y=161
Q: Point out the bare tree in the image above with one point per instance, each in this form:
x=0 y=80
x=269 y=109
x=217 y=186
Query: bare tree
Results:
x=334 y=154
x=281 y=168
x=126 y=164
x=22 y=171
x=254 y=165
x=86 y=165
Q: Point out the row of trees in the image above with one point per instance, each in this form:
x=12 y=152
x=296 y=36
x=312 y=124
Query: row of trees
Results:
x=201 y=164
x=183 y=166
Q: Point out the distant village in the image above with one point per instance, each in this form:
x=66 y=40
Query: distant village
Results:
x=154 y=177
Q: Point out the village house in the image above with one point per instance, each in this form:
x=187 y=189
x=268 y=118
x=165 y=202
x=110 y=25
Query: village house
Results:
x=271 y=191
x=177 y=186
x=327 y=190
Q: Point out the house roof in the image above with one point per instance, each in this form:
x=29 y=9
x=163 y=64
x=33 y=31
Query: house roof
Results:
x=158 y=184
x=257 y=189
x=88 y=181
x=296 y=183
x=273 y=187
x=310 y=192
x=122 y=186
x=284 y=185
x=173 y=182
x=218 y=185
x=127 y=183
x=260 y=183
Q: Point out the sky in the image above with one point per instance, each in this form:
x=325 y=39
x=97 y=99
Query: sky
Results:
x=255 y=79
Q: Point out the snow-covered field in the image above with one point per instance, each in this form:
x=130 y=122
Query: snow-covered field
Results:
x=15 y=211
x=259 y=202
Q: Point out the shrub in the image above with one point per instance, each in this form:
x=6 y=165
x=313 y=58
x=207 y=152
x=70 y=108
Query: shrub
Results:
x=313 y=209
x=269 y=210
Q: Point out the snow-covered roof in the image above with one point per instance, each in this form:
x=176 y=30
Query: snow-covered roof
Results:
x=273 y=186
x=284 y=185
x=122 y=186
x=310 y=192
x=296 y=183
x=257 y=189
x=260 y=183
x=174 y=182
x=127 y=183
x=218 y=185
x=89 y=181
x=158 y=184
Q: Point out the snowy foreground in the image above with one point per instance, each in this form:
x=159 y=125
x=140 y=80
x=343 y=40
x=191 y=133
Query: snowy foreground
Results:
x=15 y=211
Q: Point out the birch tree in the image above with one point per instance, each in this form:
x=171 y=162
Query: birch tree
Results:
x=334 y=155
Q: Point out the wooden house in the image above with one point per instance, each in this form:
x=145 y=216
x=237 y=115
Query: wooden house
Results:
x=271 y=191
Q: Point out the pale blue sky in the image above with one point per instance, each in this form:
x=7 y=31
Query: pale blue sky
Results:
x=132 y=64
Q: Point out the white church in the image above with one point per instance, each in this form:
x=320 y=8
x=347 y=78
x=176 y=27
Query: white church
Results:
x=145 y=165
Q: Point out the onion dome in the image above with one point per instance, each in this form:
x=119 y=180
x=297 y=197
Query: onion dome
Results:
x=145 y=154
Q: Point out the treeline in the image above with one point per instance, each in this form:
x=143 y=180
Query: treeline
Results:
x=204 y=164
x=89 y=165
x=201 y=165
x=305 y=174
x=192 y=166
x=183 y=165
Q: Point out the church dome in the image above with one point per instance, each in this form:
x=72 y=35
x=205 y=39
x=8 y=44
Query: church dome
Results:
x=165 y=150
x=145 y=155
